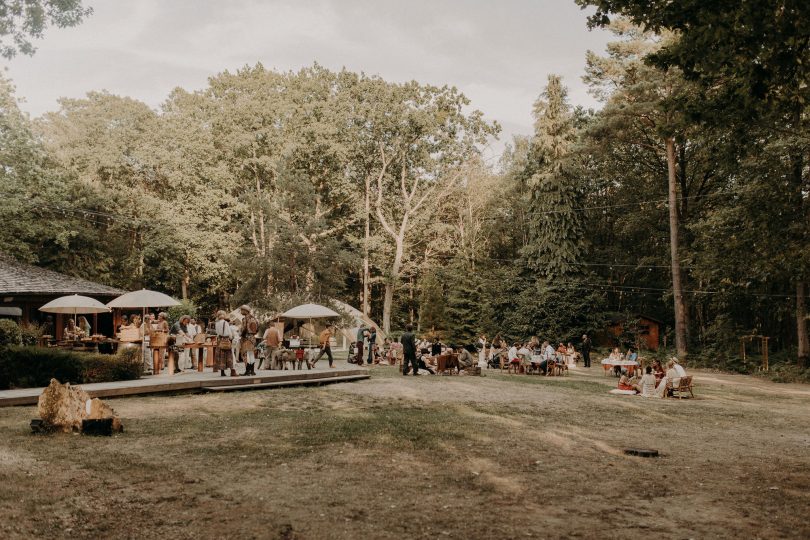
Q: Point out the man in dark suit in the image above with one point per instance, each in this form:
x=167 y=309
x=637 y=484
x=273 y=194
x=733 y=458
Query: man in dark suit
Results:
x=408 y=341
x=586 y=350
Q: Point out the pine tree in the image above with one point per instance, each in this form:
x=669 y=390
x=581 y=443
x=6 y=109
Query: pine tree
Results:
x=463 y=307
x=555 y=229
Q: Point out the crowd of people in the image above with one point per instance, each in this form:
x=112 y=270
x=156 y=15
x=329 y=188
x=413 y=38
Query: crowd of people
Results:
x=422 y=354
x=238 y=340
x=655 y=382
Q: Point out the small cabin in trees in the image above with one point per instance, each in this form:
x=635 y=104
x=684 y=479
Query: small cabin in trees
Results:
x=641 y=331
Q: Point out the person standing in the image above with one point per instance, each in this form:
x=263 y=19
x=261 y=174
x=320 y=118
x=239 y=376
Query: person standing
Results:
x=271 y=344
x=223 y=358
x=586 y=350
x=324 y=340
x=408 y=341
x=247 y=339
x=195 y=355
x=180 y=332
x=372 y=345
x=361 y=332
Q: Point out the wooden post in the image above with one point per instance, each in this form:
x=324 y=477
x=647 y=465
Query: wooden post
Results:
x=209 y=355
x=765 y=365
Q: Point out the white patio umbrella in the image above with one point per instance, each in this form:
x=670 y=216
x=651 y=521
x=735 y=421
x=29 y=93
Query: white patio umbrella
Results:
x=310 y=311
x=143 y=299
x=74 y=304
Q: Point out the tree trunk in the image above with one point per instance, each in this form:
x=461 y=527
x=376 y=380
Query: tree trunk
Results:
x=801 y=324
x=309 y=282
x=185 y=283
x=388 y=303
x=366 y=276
x=677 y=287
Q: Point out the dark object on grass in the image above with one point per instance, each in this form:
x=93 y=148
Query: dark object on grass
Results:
x=102 y=426
x=641 y=452
x=39 y=426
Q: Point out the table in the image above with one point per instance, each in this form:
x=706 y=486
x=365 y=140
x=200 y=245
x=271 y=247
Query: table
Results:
x=608 y=365
x=446 y=361
x=209 y=356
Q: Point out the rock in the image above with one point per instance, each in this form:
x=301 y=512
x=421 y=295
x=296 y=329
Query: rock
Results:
x=99 y=410
x=64 y=407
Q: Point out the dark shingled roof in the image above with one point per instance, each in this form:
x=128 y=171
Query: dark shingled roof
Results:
x=20 y=278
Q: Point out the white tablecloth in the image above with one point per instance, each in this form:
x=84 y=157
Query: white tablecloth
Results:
x=609 y=362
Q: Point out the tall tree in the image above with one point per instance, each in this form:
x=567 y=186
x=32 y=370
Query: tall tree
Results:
x=752 y=60
x=642 y=104
x=554 y=221
x=425 y=134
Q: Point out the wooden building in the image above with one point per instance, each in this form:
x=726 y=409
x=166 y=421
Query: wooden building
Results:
x=645 y=329
x=29 y=287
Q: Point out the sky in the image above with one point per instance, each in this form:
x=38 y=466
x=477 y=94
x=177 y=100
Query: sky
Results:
x=498 y=52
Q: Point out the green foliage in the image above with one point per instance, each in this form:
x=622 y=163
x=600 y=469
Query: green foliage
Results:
x=554 y=222
x=28 y=367
x=10 y=333
x=30 y=334
x=186 y=307
x=21 y=20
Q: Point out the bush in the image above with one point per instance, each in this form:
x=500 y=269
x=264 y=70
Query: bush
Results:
x=28 y=367
x=9 y=333
x=30 y=333
x=186 y=307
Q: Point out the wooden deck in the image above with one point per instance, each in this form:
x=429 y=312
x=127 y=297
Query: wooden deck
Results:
x=193 y=381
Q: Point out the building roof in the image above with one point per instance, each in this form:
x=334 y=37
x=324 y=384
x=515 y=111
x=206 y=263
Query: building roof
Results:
x=20 y=278
x=616 y=318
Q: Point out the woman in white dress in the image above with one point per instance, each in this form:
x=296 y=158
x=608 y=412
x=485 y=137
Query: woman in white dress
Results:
x=647 y=384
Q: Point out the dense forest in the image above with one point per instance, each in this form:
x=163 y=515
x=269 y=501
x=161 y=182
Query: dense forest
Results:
x=684 y=197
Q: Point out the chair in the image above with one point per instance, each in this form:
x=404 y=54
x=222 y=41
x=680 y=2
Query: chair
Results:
x=684 y=386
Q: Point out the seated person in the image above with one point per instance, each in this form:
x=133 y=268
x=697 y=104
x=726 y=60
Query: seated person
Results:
x=658 y=369
x=513 y=354
x=646 y=386
x=671 y=378
x=427 y=366
x=679 y=368
x=628 y=383
x=673 y=374
x=547 y=358
x=558 y=355
x=465 y=358
x=616 y=356
x=524 y=352
x=632 y=355
x=71 y=330
x=570 y=354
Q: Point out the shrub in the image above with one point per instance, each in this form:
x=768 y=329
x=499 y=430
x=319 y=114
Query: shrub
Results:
x=186 y=307
x=31 y=333
x=27 y=367
x=9 y=333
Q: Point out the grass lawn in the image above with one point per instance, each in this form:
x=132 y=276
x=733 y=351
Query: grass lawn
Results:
x=500 y=456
